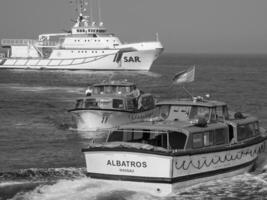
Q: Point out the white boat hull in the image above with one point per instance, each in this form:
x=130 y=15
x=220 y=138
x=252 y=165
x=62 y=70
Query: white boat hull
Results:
x=92 y=120
x=139 y=60
x=162 y=174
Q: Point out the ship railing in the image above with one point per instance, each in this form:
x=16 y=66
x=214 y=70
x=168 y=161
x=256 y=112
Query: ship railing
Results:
x=48 y=43
x=16 y=42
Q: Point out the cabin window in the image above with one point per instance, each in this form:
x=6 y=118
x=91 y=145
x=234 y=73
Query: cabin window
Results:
x=179 y=113
x=109 y=89
x=98 y=90
x=177 y=140
x=199 y=112
x=197 y=140
x=118 y=103
x=164 y=111
x=247 y=131
x=130 y=104
x=79 y=104
x=220 y=136
x=116 y=136
x=90 y=103
x=147 y=102
x=231 y=132
x=154 y=138
x=208 y=139
x=220 y=113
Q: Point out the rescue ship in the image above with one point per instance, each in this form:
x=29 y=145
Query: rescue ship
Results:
x=189 y=142
x=88 y=46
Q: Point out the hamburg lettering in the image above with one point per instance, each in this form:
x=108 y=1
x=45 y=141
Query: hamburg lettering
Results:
x=133 y=164
x=131 y=59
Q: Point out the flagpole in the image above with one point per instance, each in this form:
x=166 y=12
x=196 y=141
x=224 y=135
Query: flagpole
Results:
x=187 y=92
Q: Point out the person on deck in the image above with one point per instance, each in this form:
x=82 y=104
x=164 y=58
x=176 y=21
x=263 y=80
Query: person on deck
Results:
x=136 y=94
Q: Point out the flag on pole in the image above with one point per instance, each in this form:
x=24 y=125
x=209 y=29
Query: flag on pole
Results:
x=185 y=76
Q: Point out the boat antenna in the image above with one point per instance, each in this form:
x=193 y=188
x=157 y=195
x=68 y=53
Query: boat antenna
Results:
x=157 y=37
x=187 y=92
x=91 y=11
x=99 y=12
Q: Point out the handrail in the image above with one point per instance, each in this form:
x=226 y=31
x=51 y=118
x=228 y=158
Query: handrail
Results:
x=24 y=42
x=17 y=42
x=48 y=43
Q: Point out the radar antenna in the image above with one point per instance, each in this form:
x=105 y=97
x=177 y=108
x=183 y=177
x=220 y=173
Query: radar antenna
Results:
x=91 y=11
x=99 y=13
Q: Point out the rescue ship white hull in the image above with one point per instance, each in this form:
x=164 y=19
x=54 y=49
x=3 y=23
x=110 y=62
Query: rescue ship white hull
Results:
x=92 y=120
x=139 y=60
x=162 y=174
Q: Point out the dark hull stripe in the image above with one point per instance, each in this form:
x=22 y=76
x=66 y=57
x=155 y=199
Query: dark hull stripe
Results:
x=110 y=110
x=183 y=153
x=169 y=180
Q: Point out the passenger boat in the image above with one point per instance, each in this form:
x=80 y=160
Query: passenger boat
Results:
x=110 y=104
x=192 y=141
x=87 y=46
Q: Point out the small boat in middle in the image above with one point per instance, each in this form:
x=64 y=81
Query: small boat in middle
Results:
x=110 y=104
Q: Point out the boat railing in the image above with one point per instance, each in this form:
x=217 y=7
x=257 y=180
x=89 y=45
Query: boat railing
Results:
x=17 y=42
x=48 y=43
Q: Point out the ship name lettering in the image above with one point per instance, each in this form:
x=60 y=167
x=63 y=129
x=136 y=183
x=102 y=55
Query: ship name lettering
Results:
x=132 y=59
x=133 y=164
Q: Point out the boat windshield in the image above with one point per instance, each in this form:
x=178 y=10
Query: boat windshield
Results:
x=165 y=139
x=185 y=112
x=154 y=138
x=112 y=89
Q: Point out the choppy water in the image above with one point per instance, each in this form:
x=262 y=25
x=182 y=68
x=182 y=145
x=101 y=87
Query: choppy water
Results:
x=40 y=150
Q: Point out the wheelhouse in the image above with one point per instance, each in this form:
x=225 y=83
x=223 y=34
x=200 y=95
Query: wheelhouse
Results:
x=123 y=103
x=186 y=110
x=113 y=87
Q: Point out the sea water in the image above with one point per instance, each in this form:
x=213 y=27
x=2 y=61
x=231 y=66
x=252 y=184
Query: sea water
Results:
x=40 y=148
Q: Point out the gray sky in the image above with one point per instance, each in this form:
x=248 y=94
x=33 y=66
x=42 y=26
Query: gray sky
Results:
x=184 y=26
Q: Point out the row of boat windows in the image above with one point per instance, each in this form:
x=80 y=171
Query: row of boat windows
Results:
x=176 y=140
x=210 y=138
x=171 y=139
x=182 y=113
x=220 y=136
x=145 y=102
x=94 y=41
x=91 y=30
x=87 y=51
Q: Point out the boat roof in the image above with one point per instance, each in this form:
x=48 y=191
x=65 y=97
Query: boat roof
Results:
x=178 y=126
x=190 y=102
x=114 y=83
x=246 y=120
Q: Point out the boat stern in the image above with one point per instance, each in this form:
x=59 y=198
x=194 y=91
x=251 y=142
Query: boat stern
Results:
x=137 y=171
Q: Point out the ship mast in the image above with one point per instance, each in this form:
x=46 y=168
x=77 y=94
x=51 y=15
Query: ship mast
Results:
x=99 y=13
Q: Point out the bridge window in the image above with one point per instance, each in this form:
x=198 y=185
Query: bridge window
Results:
x=177 y=140
x=220 y=136
x=118 y=104
x=144 y=136
x=164 y=111
x=246 y=131
x=197 y=140
x=90 y=103
x=208 y=138
x=79 y=104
